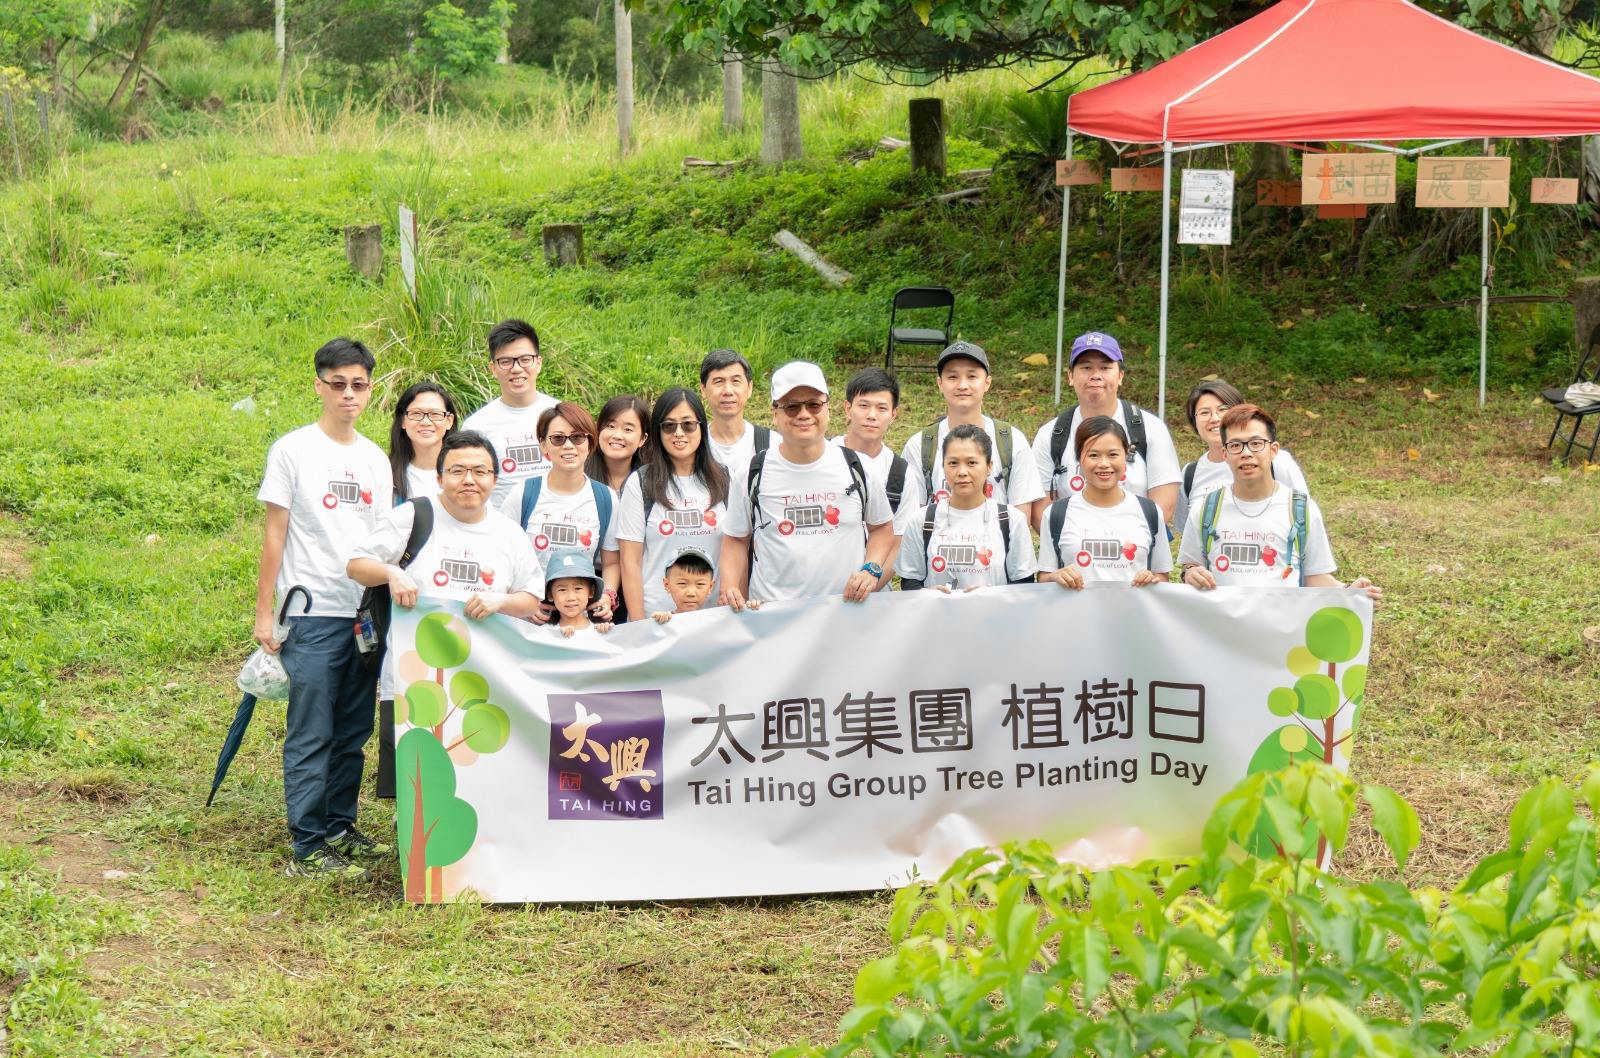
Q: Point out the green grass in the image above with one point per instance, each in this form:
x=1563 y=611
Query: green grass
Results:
x=147 y=288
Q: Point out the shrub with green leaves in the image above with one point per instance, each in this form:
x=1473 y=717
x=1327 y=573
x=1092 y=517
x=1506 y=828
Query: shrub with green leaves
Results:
x=1013 y=953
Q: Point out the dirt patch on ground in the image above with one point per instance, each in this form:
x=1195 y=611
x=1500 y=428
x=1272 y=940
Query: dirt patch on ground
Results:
x=14 y=564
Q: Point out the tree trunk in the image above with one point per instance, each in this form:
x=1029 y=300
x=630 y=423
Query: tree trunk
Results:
x=417 y=851
x=732 y=93
x=280 y=23
x=132 y=72
x=927 y=135
x=624 y=33
x=1547 y=29
x=504 y=56
x=1586 y=310
x=780 y=112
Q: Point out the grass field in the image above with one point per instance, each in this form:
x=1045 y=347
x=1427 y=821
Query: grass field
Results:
x=146 y=289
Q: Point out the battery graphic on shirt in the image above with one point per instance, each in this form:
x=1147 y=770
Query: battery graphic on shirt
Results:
x=460 y=570
x=345 y=491
x=524 y=453
x=685 y=519
x=957 y=555
x=808 y=517
x=561 y=534
x=1242 y=554
x=1105 y=550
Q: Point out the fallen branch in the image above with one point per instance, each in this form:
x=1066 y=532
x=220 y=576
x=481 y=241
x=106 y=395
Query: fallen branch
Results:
x=957 y=196
x=692 y=162
x=831 y=274
x=1494 y=299
x=974 y=174
x=890 y=143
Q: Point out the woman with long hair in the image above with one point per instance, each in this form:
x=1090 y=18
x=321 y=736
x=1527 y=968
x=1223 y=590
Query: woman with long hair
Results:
x=678 y=499
x=424 y=416
x=622 y=441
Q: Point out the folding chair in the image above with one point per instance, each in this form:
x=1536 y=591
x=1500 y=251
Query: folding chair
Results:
x=1588 y=371
x=919 y=298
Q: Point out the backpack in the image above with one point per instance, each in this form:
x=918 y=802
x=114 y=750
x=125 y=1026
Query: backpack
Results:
x=763 y=438
x=1152 y=521
x=1059 y=435
x=602 y=507
x=1297 y=530
x=895 y=484
x=377 y=605
x=928 y=514
x=758 y=464
x=930 y=448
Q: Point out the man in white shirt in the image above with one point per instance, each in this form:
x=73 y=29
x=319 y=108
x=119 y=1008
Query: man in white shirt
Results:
x=816 y=521
x=871 y=405
x=511 y=421
x=726 y=387
x=324 y=489
x=964 y=379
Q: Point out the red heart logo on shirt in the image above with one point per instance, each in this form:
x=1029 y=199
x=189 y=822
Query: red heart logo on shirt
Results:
x=785 y=528
x=487 y=576
x=984 y=555
x=1084 y=558
x=1222 y=563
x=585 y=538
x=366 y=495
x=508 y=466
x=666 y=528
x=831 y=515
x=1129 y=550
x=988 y=489
x=541 y=542
x=1269 y=555
x=710 y=519
x=1076 y=483
x=937 y=565
x=330 y=501
x=441 y=578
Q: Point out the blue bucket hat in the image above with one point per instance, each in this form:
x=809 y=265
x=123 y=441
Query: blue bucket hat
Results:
x=571 y=562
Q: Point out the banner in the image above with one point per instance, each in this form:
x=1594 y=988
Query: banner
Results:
x=823 y=746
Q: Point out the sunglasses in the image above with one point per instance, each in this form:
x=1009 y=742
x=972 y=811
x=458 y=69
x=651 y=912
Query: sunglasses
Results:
x=793 y=407
x=687 y=426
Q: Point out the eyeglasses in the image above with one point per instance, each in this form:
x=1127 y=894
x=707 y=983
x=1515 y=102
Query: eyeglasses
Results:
x=1210 y=413
x=687 y=426
x=462 y=473
x=793 y=407
x=428 y=416
x=506 y=363
x=339 y=385
x=561 y=440
x=1255 y=444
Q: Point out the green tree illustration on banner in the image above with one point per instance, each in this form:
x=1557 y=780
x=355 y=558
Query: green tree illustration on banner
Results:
x=1324 y=705
x=435 y=827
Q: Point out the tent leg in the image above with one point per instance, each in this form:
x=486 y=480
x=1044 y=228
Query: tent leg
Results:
x=1061 y=283
x=1483 y=307
x=1166 y=256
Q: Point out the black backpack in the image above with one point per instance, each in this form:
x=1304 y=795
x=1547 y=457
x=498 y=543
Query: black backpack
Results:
x=758 y=464
x=377 y=606
x=1060 y=435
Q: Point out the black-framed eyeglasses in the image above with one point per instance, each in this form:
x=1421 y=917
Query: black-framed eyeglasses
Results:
x=561 y=440
x=525 y=361
x=687 y=426
x=1255 y=444
x=339 y=385
x=428 y=416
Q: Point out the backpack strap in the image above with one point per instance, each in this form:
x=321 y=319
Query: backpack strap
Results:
x=858 y=483
x=602 y=508
x=1152 y=522
x=1005 y=542
x=1002 y=447
x=895 y=485
x=758 y=462
x=1058 y=522
x=421 y=529
x=763 y=438
x=1298 y=531
x=1188 y=477
x=530 y=498
x=928 y=514
x=1135 y=417
x=930 y=455
x=1208 y=523
x=1059 y=435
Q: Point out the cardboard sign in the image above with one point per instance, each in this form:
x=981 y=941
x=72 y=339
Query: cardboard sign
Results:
x=1490 y=168
x=1278 y=193
x=408 y=250
x=1348 y=211
x=1463 y=194
x=1074 y=172
x=1143 y=178
x=1343 y=179
x=1553 y=191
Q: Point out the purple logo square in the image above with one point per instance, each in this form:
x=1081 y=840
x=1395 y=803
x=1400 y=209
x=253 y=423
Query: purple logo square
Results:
x=605 y=755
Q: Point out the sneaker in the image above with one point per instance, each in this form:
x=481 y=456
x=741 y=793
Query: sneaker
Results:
x=324 y=862
x=354 y=845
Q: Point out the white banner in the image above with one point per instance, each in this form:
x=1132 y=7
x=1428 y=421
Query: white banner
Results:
x=824 y=746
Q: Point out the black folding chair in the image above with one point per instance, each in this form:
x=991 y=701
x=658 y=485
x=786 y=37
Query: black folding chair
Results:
x=1588 y=371
x=919 y=298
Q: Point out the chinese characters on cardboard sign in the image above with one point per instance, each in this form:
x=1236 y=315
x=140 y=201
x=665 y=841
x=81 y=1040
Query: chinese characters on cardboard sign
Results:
x=1347 y=179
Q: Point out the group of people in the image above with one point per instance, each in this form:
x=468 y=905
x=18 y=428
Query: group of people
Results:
x=532 y=508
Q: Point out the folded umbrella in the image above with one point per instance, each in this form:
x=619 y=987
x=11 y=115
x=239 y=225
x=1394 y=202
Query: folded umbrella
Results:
x=247 y=707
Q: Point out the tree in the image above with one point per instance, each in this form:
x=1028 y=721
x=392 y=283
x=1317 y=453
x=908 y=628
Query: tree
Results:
x=624 y=36
x=152 y=18
x=780 y=112
x=732 y=94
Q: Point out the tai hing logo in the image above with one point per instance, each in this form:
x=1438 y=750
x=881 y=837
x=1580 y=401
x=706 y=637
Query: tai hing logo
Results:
x=606 y=755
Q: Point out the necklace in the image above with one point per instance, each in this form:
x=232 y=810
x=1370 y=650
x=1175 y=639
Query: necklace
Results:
x=1258 y=512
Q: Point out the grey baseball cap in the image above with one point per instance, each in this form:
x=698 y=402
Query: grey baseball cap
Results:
x=959 y=350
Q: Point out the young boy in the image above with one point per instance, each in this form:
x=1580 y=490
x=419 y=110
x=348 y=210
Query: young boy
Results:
x=689 y=580
x=571 y=587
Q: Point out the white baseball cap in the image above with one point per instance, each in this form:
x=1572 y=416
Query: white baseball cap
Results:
x=797 y=374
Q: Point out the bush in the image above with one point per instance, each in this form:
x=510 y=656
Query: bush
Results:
x=1017 y=954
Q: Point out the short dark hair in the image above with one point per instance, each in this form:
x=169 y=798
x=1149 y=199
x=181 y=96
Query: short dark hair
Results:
x=507 y=331
x=691 y=562
x=1240 y=415
x=1097 y=426
x=872 y=380
x=344 y=352
x=718 y=359
x=1226 y=392
x=577 y=417
x=467 y=439
x=969 y=432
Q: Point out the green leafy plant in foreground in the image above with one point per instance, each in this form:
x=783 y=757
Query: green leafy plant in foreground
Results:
x=1013 y=953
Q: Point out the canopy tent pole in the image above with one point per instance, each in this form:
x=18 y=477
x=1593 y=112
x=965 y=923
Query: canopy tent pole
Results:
x=1061 y=283
x=1166 y=255
x=1483 y=307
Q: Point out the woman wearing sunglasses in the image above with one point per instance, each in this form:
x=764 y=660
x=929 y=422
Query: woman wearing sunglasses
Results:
x=678 y=499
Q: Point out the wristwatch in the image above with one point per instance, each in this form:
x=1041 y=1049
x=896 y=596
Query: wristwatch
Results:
x=872 y=568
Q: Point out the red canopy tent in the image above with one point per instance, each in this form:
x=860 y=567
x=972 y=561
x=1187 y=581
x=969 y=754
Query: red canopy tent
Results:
x=1353 y=71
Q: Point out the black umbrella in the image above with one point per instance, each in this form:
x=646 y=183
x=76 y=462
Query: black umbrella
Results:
x=247 y=707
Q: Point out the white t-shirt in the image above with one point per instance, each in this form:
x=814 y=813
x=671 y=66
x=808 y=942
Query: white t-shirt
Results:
x=1252 y=542
x=1209 y=476
x=558 y=521
x=334 y=494
x=1159 y=467
x=967 y=549
x=514 y=432
x=457 y=559
x=692 y=523
x=1020 y=484
x=1108 y=544
x=420 y=482
x=879 y=466
x=809 y=535
x=736 y=457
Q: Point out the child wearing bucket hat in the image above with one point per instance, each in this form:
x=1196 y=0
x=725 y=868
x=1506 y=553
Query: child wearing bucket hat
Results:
x=571 y=587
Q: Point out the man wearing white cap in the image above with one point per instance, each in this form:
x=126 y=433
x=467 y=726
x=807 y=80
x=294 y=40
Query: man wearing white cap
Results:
x=806 y=519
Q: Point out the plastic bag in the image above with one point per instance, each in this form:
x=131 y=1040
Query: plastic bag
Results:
x=263 y=674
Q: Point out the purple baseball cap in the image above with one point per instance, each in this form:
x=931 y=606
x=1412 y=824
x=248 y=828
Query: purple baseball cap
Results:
x=1095 y=342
